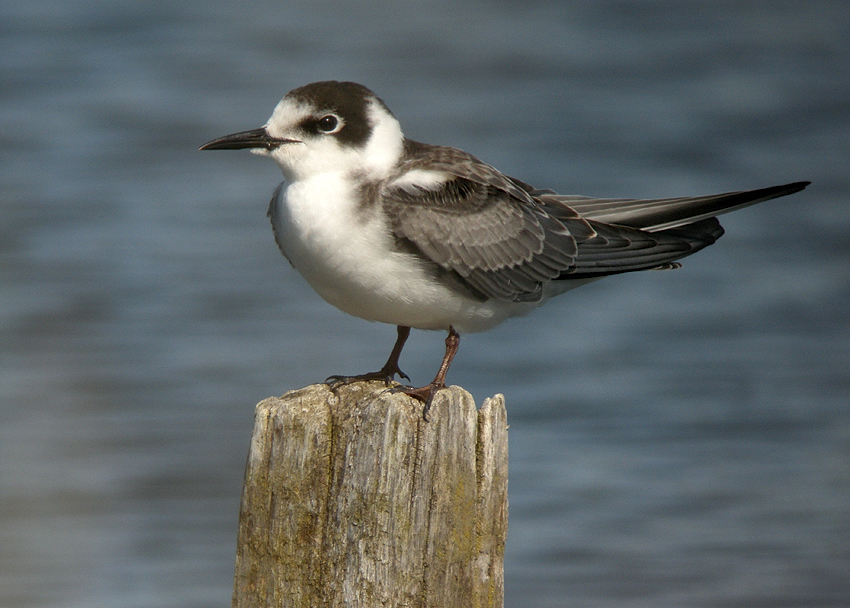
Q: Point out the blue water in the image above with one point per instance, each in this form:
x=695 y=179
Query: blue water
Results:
x=677 y=439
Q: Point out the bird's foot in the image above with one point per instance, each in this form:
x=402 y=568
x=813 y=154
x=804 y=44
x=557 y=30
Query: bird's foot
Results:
x=386 y=374
x=425 y=394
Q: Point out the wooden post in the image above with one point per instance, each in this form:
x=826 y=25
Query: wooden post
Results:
x=351 y=499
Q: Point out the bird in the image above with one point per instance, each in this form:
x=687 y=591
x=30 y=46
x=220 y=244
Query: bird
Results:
x=425 y=236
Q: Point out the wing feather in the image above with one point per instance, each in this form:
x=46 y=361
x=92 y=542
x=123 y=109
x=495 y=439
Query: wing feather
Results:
x=501 y=238
x=470 y=219
x=655 y=215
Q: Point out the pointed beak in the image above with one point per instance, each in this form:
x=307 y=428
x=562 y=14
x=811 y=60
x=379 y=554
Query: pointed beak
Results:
x=256 y=138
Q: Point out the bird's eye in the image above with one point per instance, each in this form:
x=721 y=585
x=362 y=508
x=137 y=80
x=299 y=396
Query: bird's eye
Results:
x=329 y=124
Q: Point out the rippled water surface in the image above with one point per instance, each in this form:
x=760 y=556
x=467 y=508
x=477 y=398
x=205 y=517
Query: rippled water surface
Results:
x=677 y=439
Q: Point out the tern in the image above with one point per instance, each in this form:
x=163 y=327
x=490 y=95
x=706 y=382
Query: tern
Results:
x=423 y=236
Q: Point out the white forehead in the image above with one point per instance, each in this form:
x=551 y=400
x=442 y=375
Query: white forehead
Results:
x=287 y=113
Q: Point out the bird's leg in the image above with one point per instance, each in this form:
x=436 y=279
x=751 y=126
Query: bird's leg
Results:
x=386 y=373
x=426 y=393
x=391 y=366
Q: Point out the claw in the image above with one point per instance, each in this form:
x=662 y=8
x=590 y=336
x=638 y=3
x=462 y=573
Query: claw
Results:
x=386 y=373
x=425 y=394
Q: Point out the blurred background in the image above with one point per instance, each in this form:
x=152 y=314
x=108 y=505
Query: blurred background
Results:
x=677 y=438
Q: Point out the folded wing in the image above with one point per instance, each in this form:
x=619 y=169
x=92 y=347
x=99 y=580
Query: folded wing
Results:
x=501 y=238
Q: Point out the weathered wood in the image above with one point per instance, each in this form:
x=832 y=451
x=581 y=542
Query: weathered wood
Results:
x=351 y=499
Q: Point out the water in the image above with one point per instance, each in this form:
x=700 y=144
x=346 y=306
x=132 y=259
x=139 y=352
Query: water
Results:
x=677 y=439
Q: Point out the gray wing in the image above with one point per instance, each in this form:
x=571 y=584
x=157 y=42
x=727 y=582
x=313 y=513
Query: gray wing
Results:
x=661 y=214
x=502 y=242
x=618 y=249
x=472 y=221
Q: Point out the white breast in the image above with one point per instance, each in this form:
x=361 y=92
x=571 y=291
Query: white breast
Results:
x=347 y=254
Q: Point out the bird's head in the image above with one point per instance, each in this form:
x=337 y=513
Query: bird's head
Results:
x=325 y=127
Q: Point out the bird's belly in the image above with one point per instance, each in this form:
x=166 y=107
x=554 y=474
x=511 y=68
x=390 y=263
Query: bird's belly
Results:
x=348 y=257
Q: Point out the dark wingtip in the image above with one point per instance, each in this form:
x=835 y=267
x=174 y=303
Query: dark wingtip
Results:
x=793 y=187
